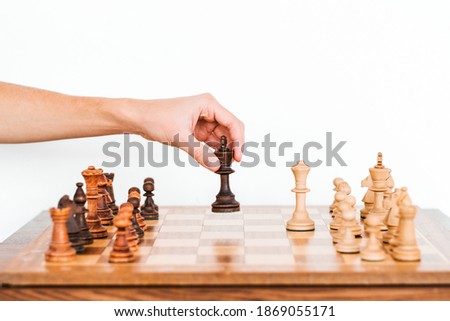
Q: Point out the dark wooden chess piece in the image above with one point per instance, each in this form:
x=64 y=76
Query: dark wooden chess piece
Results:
x=80 y=214
x=225 y=200
x=103 y=210
x=72 y=227
x=60 y=248
x=110 y=189
x=137 y=211
x=91 y=176
x=135 y=202
x=149 y=209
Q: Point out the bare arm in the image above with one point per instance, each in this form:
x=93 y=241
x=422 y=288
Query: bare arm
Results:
x=33 y=115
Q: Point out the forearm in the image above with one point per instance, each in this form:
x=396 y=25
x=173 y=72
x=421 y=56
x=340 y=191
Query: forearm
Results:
x=32 y=115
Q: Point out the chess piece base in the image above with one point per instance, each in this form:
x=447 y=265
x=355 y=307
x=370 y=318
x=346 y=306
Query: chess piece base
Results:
x=297 y=225
x=125 y=257
x=373 y=255
x=225 y=204
x=406 y=254
x=60 y=257
x=347 y=248
x=96 y=229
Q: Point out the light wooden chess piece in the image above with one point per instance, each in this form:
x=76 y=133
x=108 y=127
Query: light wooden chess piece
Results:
x=300 y=220
x=340 y=186
x=392 y=218
x=368 y=198
x=339 y=198
x=91 y=177
x=348 y=204
x=126 y=210
x=394 y=222
x=407 y=249
x=373 y=250
x=348 y=243
x=336 y=183
x=60 y=249
x=121 y=252
x=379 y=175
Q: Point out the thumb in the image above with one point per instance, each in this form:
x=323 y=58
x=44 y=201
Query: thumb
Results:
x=202 y=153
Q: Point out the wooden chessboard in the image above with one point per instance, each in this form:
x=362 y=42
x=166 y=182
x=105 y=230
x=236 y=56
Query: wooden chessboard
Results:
x=191 y=253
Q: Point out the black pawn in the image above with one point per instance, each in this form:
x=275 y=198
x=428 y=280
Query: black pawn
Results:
x=149 y=210
x=72 y=227
x=110 y=189
x=80 y=214
x=135 y=202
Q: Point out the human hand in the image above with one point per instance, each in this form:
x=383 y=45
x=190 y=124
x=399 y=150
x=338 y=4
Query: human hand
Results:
x=172 y=121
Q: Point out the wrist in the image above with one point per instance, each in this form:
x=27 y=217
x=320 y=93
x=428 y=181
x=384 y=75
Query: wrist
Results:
x=123 y=115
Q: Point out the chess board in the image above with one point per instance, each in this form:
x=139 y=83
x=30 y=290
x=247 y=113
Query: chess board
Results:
x=192 y=247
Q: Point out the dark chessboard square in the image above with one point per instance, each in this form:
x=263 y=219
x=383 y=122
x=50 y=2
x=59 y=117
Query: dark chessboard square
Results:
x=223 y=242
x=220 y=259
x=147 y=242
x=92 y=250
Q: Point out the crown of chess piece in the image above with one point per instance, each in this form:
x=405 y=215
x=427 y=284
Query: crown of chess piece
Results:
x=80 y=214
x=300 y=220
x=225 y=199
x=72 y=227
x=149 y=210
x=110 y=189
x=103 y=211
x=91 y=176
x=60 y=249
x=126 y=210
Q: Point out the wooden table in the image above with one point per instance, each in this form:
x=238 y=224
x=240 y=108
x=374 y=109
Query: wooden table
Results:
x=192 y=254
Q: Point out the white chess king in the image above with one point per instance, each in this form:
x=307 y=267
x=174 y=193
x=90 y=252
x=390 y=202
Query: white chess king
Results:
x=300 y=220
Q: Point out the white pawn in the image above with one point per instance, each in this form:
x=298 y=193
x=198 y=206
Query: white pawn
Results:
x=348 y=203
x=373 y=250
x=407 y=249
x=339 y=197
x=348 y=243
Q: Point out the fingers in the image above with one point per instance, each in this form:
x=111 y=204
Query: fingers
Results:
x=230 y=122
x=202 y=153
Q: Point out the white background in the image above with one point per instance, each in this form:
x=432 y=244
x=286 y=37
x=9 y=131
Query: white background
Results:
x=375 y=73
